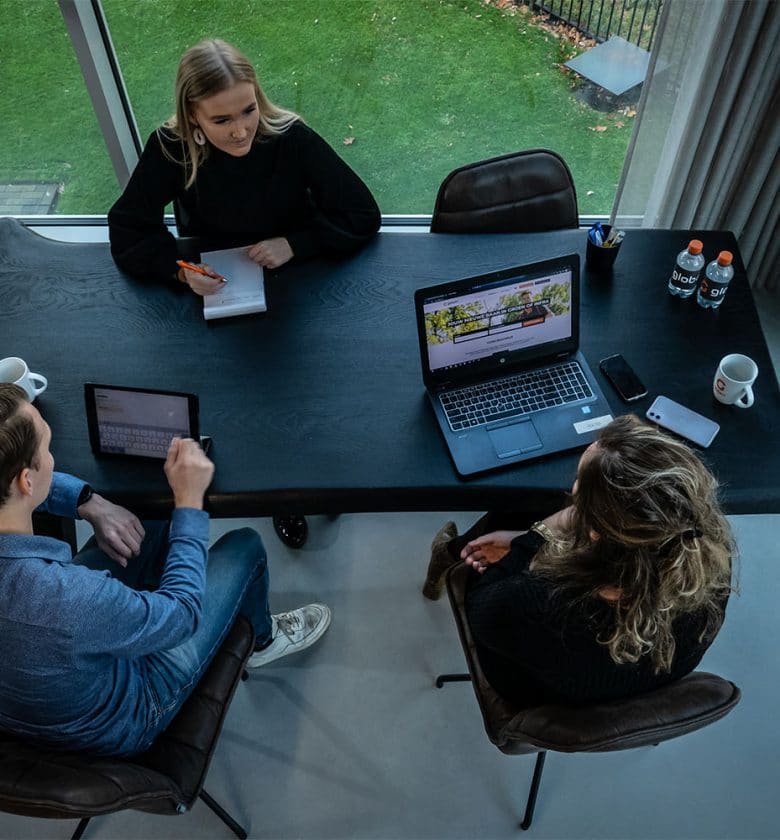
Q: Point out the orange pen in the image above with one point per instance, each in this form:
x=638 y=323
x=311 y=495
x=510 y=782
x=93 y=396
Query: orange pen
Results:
x=198 y=270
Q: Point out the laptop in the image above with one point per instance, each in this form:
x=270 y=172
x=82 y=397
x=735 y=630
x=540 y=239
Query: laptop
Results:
x=139 y=422
x=502 y=367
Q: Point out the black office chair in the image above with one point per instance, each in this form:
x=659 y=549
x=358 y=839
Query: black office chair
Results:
x=166 y=779
x=522 y=192
x=676 y=709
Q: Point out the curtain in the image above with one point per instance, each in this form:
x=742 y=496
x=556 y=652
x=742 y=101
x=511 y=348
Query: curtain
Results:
x=704 y=152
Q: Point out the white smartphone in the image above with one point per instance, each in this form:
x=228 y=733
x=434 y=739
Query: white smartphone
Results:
x=682 y=421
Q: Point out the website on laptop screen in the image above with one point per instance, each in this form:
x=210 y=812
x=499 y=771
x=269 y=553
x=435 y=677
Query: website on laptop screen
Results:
x=510 y=314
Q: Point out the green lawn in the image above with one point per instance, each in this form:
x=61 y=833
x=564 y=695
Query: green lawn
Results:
x=422 y=86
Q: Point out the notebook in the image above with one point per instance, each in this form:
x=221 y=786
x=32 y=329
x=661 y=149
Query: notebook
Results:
x=502 y=366
x=244 y=292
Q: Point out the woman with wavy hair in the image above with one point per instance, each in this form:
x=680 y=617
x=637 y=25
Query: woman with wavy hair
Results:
x=620 y=593
x=242 y=171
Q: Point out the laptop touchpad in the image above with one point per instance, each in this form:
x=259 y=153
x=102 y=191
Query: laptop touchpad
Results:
x=515 y=439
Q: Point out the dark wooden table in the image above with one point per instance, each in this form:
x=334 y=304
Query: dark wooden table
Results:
x=318 y=405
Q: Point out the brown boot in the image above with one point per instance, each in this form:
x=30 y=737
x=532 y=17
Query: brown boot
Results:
x=441 y=560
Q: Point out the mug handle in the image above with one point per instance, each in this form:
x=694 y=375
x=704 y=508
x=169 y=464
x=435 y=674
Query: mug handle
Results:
x=45 y=383
x=747 y=397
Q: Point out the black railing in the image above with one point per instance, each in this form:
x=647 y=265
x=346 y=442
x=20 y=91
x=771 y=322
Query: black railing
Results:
x=633 y=20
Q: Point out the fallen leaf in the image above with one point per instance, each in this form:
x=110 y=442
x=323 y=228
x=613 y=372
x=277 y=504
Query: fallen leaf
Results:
x=348 y=141
x=619 y=124
x=597 y=127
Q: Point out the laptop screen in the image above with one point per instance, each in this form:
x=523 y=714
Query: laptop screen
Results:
x=515 y=314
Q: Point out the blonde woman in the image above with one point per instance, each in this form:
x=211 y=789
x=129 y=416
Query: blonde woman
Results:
x=243 y=172
x=618 y=594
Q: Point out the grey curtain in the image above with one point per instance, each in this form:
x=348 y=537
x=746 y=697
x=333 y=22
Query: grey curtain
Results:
x=704 y=153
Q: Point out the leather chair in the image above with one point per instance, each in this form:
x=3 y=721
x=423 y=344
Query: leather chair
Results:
x=166 y=779
x=522 y=192
x=696 y=700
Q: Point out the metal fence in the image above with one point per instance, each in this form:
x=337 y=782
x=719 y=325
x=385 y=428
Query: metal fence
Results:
x=633 y=20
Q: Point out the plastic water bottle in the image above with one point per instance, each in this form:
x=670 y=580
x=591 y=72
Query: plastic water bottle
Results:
x=715 y=282
x=687 y=270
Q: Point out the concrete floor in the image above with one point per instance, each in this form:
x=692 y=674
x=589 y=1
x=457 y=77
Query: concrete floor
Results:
x=350 y=739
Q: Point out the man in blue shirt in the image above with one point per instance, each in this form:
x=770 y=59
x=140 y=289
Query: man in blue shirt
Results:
x=98 y=652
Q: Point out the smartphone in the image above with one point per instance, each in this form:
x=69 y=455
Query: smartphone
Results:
x=622 y=378
x=682 y=421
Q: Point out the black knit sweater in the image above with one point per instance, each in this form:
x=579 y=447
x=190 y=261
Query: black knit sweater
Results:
x=536 y=647
x=292 y=185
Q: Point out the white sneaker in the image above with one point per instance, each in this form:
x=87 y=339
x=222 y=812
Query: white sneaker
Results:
x=293 y=631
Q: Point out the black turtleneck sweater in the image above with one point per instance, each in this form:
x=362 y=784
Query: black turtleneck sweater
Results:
x=292 y=185
x=535 y=646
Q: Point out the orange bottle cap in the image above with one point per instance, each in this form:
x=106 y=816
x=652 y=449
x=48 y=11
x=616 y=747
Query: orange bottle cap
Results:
x=725 y=258
x=695 y=246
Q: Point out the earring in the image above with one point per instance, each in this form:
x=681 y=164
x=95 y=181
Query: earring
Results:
x=197 y=136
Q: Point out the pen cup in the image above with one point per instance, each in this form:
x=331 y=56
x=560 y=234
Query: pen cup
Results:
x=597 y=257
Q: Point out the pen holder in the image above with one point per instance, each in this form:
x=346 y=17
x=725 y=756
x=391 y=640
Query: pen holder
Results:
x=601 y=259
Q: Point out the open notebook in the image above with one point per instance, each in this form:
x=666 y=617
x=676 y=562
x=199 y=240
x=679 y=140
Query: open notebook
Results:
x=244 y=292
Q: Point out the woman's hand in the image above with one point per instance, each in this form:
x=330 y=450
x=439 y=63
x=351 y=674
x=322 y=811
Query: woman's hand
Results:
x=202 y=284
x=271 y=253
x=488 y=549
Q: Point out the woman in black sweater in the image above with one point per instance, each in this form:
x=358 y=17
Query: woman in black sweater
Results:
x=243 y=172
x=618 y=594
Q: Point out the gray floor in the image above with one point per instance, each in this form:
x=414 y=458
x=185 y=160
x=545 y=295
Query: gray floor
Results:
x=351 y=739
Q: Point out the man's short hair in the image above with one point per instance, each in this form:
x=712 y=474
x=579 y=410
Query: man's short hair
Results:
x=19 y=440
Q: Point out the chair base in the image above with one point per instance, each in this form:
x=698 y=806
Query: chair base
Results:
x=212 y=803
x=445 y=678
x=530 y=804
x=223 y=815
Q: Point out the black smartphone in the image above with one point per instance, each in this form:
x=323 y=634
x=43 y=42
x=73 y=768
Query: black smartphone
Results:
x=622 y=378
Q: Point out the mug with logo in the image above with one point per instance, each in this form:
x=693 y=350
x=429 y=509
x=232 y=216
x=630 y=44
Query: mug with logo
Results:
x=734 y=379
x=15 y=370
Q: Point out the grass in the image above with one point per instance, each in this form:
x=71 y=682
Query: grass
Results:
x=422 y=86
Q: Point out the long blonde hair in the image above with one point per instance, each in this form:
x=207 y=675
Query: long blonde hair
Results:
x=206 y=69
x=662 y=540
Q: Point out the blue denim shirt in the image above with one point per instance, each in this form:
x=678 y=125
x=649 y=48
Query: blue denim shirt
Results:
x=74 y=642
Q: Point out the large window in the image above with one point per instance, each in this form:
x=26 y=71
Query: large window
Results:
x=405 y=90
x=52 y=155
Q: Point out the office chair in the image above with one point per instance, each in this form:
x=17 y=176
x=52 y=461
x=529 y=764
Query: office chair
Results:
x=691 y=703
x=523 y=192
x=166 y=779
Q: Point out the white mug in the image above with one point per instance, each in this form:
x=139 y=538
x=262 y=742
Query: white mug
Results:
x=733 y=380
x=15 y=370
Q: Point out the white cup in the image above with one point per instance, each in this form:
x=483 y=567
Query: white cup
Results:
x=733 y=380
x=15 y=370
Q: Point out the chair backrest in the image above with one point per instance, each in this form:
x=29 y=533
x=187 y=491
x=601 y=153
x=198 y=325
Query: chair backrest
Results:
x=516 y=193
x=166 y=779
x=696 y=700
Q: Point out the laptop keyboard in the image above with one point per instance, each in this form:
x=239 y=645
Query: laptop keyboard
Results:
x=135 y=440
x=514 y=396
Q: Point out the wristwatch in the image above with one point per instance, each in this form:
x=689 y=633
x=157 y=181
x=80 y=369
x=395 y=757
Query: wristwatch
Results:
x=84 y=496
x=544 y=532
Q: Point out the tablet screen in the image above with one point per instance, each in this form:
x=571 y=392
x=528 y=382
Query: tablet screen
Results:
x=130 y=421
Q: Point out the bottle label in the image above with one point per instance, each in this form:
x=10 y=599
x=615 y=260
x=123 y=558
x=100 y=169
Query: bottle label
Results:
x=685 y=279
x=712 y=290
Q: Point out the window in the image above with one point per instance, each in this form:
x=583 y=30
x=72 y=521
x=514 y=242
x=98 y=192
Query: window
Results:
x=53 y=158
x=404 y=90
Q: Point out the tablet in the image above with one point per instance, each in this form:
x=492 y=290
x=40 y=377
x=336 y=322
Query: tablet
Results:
x=137 y=421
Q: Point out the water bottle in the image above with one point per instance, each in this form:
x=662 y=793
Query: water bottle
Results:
x=715 y=282
x=687 y=270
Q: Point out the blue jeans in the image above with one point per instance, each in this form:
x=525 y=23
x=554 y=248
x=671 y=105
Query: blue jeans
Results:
x=236 y=582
